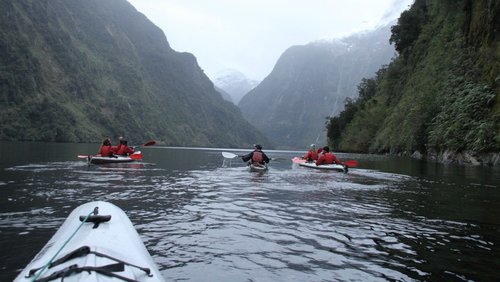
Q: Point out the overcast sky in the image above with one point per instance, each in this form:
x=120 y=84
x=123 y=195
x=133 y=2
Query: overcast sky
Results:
x=250 y=35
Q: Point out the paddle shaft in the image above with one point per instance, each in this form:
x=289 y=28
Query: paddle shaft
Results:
x=149 y=143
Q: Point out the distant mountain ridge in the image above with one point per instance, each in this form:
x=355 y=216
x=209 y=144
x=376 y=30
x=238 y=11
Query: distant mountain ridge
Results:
x=310 y=83
x=234 y=83
x=79 y=71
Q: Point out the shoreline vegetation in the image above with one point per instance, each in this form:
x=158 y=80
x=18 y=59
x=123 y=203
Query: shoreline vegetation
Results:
x=439 y=99
x=462 y=158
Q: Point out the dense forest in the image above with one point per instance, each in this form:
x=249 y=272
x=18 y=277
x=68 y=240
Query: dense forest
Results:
x=439 y=98
x=80 y=71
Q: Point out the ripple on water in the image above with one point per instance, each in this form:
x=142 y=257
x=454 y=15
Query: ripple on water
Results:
x=227 y=224
x=245 y=222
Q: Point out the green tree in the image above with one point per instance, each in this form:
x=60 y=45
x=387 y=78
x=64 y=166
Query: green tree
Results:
x=409 y=26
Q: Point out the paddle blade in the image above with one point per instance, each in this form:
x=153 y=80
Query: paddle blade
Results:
x=82 y=156
x=351 y=163
x=136 y=156
x=149 y=143
x=228 y=155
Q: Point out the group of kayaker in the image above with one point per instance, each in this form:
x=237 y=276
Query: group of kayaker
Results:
x=320 y=156
x=257 y=156
x=122 y=149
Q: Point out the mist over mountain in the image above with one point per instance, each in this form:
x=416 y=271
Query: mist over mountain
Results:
x=310 y=83
x=235 y=83
x=392 y=14
x=79 y=71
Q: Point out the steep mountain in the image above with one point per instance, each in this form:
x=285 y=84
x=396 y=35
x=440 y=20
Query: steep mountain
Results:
x=235 y=83
x=224 y=94
x=79 y=71
x=310 y=83
x=439 y=98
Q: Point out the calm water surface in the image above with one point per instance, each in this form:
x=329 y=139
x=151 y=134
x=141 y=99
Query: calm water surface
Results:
x=390 y=219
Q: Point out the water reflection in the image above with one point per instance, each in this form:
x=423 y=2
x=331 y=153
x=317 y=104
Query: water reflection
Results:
x=204 y=222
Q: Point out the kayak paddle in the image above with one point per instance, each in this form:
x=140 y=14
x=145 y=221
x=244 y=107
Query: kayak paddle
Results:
x=351 y=163
x=228 y=155
x=149 y=143
x=277 y=159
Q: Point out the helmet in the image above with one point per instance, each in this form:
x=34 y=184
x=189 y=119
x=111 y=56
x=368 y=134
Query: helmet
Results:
x=313 y=146
x=257 y=146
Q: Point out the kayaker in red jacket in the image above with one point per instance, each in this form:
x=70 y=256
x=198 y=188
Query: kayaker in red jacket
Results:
x=117 y=147
x=257 y=156
x=106 y=150
x=312 y=154
x=327 y=157
x=123 y=149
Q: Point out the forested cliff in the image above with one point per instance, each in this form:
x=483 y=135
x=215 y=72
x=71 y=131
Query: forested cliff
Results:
x=439 y=98
x=79 y=71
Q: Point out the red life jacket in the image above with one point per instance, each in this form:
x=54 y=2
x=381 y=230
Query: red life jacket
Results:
x=312 y=155
x=106 y=151
x=118 y=148
x=124 y=150
x=327 y=158
x=257 y=157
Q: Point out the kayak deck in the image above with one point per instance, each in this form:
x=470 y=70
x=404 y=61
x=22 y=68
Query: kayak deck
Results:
x=106 y=245
x=257 y=168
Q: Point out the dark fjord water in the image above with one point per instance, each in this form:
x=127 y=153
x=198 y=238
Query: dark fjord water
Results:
x=390 y=219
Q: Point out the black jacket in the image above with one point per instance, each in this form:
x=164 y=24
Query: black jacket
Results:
x=248 y=157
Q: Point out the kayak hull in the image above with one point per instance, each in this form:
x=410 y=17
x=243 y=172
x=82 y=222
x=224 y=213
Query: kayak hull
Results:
x=304 y=163
x=109 y=243
x=110 y=160
x=97 y=160
x=336 y=167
